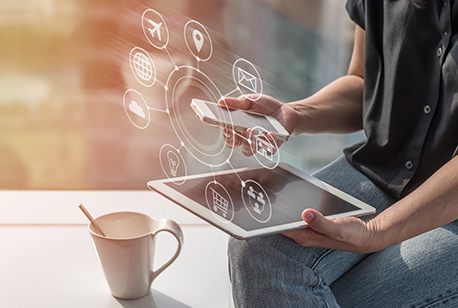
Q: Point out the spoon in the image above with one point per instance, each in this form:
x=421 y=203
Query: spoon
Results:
x=91 y=219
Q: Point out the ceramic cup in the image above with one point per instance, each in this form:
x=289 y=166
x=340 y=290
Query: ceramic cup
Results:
x=127 y=251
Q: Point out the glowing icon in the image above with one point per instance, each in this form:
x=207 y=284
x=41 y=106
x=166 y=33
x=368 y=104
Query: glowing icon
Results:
x=142 y=66
x=247 y=80
x=198 y=39
x=135 y=108
x=174 y=162
x=219 y=202
x=156 y=29
x=264 y=148
x=257 y=200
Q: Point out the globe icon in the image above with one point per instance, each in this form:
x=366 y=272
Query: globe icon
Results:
x=142 y=66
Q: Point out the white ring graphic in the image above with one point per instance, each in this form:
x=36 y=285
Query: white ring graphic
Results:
x=261 y=146
x=208 y=36
x=174 y=164
x=252 y=209
x=142 y=66
x=219 y=204
x=134 y=110
x=247 y=79
x=189 y=72
x=157 y=28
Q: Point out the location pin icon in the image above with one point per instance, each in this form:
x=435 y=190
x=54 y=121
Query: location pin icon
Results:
x=198 y=39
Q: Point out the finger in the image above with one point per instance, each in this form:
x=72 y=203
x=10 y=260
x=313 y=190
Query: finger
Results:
x=232 y=140
x=247 y=146
x=239 y=103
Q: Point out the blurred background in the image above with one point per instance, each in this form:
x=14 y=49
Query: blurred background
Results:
x=64 y=68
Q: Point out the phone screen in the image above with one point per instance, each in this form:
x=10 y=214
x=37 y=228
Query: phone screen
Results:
x=241 y=117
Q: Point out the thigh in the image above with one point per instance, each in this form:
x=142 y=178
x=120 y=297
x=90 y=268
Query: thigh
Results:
x=274 y=271
x=341 y=175
x=420 y=272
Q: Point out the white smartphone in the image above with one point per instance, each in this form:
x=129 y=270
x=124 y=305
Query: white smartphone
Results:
x=237 y=119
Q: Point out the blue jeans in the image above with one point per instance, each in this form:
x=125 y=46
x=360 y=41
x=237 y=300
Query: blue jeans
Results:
x=275 y=271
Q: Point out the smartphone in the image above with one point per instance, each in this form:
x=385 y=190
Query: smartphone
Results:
x=215 y=114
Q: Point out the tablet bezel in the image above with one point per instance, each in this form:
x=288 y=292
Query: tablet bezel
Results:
x=234 y=230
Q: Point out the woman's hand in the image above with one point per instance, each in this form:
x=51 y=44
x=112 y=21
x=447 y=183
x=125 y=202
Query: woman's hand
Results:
x=267 y=105
x=346 y=233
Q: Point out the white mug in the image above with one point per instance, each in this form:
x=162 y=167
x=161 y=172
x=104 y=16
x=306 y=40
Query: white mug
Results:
x=127 y=251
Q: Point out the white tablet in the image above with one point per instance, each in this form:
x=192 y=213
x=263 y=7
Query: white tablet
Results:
x=256 y=201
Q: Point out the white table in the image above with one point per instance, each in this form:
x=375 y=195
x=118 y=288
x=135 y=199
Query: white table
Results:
x=47 y=258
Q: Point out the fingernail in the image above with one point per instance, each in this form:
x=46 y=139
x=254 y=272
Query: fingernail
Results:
x=308 y=216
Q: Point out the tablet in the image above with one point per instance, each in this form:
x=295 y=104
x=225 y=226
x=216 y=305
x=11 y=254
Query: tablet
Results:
x=257 y=201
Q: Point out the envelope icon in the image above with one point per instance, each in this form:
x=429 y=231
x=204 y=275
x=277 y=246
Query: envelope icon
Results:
x=247 y=80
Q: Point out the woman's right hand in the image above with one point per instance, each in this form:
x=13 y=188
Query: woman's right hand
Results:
x=267 y=105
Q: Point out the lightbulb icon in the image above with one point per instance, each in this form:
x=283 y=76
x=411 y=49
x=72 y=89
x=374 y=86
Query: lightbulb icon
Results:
x=174 y=162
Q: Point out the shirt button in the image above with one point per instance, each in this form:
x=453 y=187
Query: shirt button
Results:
x=439 y=52
x=409 y=164
x=427 y=109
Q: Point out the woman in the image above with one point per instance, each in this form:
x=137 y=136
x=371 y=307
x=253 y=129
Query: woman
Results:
x=402 y=89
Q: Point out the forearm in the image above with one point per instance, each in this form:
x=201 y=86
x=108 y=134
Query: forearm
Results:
x=432 y=205
x=337 y=108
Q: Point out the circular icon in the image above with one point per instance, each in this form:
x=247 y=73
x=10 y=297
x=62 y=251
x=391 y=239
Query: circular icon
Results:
x=219 y=202
x=136 y=108
x=205 y=143
x=265 y=149
x=256 y=201
x=173 y=164
x=142 y=66
x=198 y=40
x=247 y=79
x=155 y=29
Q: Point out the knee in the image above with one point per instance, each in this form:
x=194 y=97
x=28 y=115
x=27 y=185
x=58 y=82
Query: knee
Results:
x=241 y=251
x=248 y=255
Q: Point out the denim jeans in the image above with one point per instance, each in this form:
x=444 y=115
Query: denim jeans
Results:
x=275 y=271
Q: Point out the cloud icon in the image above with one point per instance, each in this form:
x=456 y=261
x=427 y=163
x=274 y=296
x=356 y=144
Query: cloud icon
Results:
x=135 y=108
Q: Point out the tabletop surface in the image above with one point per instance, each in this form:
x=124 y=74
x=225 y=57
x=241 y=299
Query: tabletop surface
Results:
x=47 y=258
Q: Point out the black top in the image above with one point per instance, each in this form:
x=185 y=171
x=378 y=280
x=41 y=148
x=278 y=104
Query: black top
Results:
x=410 y=108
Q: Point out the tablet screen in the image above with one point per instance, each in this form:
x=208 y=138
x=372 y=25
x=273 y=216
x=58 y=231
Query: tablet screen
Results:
x=266 y=197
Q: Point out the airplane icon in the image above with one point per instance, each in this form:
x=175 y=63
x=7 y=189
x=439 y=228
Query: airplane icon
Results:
x=157 y=29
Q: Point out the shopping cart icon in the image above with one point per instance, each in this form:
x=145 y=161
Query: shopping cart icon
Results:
x=219 y=202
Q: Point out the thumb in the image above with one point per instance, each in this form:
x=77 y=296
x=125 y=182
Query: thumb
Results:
x=316 y=221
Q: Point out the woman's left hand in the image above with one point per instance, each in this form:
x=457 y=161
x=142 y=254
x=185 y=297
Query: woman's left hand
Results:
x=346 y=233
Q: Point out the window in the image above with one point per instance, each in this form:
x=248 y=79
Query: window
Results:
x=65 y=71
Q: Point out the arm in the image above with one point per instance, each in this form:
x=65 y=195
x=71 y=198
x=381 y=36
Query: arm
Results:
x=337 y=108
x=432 y=205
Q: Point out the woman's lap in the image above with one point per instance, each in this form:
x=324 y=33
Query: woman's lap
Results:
x=274 y=271
x=420 y=272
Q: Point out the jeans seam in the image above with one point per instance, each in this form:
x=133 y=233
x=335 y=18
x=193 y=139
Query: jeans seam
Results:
x=324 y=254
x=314 y=290
x=440 y=300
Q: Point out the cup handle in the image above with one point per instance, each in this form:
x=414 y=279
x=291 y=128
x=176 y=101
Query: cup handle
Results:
x=173 y=228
